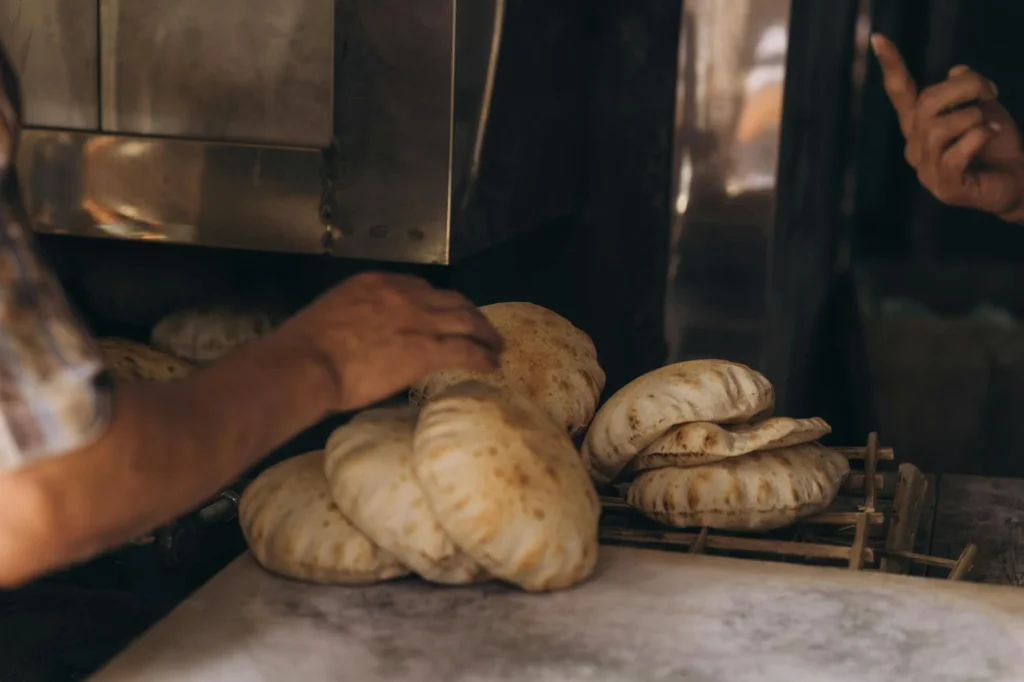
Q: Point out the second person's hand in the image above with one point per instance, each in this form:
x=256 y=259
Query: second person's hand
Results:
x=378 y=333
x=964 y=145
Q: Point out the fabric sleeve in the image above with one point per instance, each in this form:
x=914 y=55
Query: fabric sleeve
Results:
x=54 y=396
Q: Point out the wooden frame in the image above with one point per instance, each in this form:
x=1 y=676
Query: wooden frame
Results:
x=893 y=555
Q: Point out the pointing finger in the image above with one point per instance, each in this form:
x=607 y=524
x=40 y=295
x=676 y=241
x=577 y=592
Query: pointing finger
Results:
x=899 y=84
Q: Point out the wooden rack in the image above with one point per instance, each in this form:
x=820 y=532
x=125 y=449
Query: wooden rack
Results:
x=832 y=543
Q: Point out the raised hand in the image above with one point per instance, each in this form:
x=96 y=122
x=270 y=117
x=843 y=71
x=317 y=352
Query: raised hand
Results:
x=964 y=145
x=378 y=333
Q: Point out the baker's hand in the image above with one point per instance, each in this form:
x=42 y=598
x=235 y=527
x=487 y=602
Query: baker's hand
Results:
x=965 y=147
x=379 y=333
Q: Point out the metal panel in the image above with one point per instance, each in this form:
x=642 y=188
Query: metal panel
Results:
x=518 y=147
x=172 y=190
x=436 y=152
x=231 y=70
x=390 y=177
x=732 y=66
x=52 y=44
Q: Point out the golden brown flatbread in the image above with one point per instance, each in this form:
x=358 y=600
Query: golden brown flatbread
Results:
x=755 y=492
x=128 y=361
x=507 y=485
x=294 y=529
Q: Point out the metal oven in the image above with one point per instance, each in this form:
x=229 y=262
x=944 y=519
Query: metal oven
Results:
x=383 y=130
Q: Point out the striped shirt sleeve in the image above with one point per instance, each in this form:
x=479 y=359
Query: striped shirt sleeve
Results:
x=53 y=394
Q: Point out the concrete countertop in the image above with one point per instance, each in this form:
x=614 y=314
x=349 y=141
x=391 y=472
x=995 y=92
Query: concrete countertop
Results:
x=645 y=615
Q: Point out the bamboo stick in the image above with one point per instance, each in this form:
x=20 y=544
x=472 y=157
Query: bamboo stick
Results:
x=844 y=518
x=860 y=452
x=870 y=464
x=702 y=540
x=736 y=544
x=963 y=565
x=615 y=504
x=823 y=519
x=940 y=562
x=854 y=484
x=860 y=539
x=906 y=518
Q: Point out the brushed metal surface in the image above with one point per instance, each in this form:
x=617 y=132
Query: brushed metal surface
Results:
x=434 y=129
x=535 y=134
x=172 y=190
x=393 y=109
x=52 y=44
x=231 y=70
x=732 y=66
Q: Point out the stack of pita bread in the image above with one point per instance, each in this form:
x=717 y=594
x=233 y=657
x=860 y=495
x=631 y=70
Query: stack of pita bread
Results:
x=204 y=334
x=706 y=453
x=478 y=480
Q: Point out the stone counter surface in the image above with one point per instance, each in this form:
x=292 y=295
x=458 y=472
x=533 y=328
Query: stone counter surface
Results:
x=645 y=615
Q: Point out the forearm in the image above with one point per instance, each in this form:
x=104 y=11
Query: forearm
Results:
x=168 y=448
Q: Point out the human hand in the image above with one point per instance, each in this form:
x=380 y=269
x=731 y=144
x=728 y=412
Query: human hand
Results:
x=964 y=145
x=378 y=333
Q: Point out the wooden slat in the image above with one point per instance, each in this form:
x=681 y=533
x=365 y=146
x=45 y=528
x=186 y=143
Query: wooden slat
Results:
x=823 y=519
x=860 y=452
x=962 y=567
x=885 y=485
x=870 y=465
x=702 y=540
x=854 y=484
x=912 y=557
x=906 y=518
x=860 y=540
x=844 y=518
x=735 y=544
x=615 y=504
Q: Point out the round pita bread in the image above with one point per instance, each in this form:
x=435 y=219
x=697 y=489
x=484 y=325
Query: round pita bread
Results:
x=646 y=408
x=130 y=362
x=507 y=485
x=755 y=492
x=206 y=334
x=546 y=359
x=369 y=472
x=294 y=529
x=697 y=443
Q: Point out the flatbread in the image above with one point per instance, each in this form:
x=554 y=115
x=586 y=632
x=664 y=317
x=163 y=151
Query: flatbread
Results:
x=699 y=443
x=294 y=529
x=207 y=333
x=369 y=471
x=546 y=359
x=130 y=362
x=507 y=485
x=755 y=492
x=646 y=408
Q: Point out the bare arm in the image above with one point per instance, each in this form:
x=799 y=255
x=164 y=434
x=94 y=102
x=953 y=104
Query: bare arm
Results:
x=170 y=446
